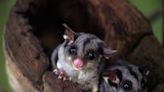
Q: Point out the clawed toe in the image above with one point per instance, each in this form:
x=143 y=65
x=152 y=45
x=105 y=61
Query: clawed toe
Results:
x=61 y=75
x=56 y=71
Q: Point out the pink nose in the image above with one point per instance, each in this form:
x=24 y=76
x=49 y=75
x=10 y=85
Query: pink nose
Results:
x=78 y=63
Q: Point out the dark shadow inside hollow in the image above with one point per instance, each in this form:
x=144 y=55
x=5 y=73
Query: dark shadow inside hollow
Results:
x=47 y=16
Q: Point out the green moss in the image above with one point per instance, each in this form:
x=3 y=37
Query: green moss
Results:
x=148 y=7
x=157 y=29
x=4 y=9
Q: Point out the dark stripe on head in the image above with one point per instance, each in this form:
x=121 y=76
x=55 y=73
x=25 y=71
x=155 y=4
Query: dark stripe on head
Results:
x=88 y=40
x=77 y=35
x=66 y=43
x=133 y=73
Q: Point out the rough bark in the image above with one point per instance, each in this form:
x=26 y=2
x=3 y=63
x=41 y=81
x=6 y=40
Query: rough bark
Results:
x=162 y=22
x=34 y=27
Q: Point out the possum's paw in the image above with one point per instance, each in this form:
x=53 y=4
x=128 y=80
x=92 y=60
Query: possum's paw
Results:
x=61 y=75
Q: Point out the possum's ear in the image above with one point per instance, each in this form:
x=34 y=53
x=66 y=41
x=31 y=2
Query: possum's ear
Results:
x=144 y=71
x=69 y=33
x=109 y=51
x=112 y=76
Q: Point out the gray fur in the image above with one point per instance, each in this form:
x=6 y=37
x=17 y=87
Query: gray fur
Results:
x=88 y=77
x=125 y=69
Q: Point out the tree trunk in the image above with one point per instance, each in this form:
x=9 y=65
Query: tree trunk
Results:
x=34 y=28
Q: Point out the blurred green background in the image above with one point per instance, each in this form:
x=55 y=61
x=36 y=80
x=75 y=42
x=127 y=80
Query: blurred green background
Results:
x=150 y=8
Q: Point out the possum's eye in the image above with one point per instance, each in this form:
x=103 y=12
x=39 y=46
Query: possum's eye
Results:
x=73 y=50
x=90 y=55
x=127 y=85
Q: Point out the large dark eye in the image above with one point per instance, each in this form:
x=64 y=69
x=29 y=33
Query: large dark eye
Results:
x=127 y=85
x=90 y=55
x=73 y=50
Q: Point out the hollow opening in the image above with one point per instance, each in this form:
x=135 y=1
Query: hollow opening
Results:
x=47 y=16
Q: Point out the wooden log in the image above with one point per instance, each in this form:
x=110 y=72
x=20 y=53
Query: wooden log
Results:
x=34 y=28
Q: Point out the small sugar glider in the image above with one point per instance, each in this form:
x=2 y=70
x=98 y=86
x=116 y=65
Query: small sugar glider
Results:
x=123 y=78
x=80 y=57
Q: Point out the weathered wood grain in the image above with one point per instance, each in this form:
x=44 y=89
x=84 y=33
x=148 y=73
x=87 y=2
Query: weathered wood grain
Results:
x=34 y=28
